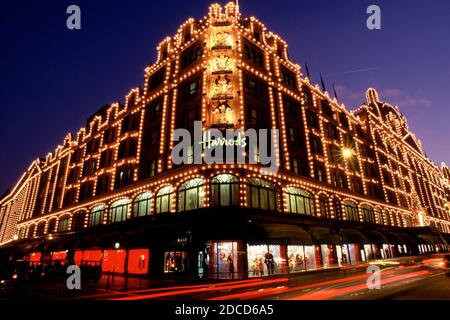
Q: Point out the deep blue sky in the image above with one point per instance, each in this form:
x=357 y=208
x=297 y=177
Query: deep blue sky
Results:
x=53 y=79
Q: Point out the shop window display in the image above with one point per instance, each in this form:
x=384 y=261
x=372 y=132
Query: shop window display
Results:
x=266 y=260
x=138 y=261
x=113 y=261
x=175 y=261
x=221 y=260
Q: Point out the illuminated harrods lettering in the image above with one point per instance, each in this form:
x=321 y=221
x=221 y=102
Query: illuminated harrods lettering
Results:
x=219 y=83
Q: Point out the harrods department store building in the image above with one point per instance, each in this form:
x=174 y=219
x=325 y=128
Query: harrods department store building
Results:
x=352 y=186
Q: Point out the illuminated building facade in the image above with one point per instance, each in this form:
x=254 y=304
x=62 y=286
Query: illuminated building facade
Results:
x=352 y=185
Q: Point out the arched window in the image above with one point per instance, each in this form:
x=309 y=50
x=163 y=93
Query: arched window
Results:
x=262 y=194
x=337 y=208
x=96 y=217
x=143 y=205
x=191 y=195
x=299 y=201
x=351 y=211
x=323 y=204
x=31 y=231
x=40 y=230
x=164 y=200
x=408 y=221
x=378 y=216
x=367 y=213
x=51 y=226
x=388 y=220
x=224 y=190
x=63 y=224
x=118 y=211
x=78 y=221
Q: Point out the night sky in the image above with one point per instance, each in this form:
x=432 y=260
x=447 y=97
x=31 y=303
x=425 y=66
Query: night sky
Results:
x=53 y=79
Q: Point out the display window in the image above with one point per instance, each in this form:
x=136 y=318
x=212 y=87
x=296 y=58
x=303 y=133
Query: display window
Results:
x=138 y=261
x=221 y=260
x=35 y=258
x=113 y=261
x=78 y=257
x=91 y=257
x=265 y=260
x=175 y=261
x=59 y=256
x=327 y=252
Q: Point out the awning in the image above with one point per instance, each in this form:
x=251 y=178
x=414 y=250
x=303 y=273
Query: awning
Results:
x=322 y=235
x=354 y=236
x=287 y=233
x=431 y=239
x=376 y=237
x=393 y=238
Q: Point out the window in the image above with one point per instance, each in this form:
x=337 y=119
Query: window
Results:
x=224 y=190
x=103 y=184
x=96 y=216
x=51 y=226
x=153 y=110
x=92 y=146
x=109 y=135
x=261 y=194
x=292 y=134
x=292 y=107
x=312 y=119
x=130 y=122
x=76 y=156
x=86 y=190
x=175 y=261
x=339 y=180
x=63 y=224
x=331 y=131
x=326 y=109
x=124 y=177
x=343 y=119
x=255 y=87
x=368 y=214
x=189 y=89
x=319 y=172
x=307 y=95
x=323 y=204
x=254 y=54
x=295 y=162
x=316 y=145
x=299 y=201
x=89 y=167
x=191 y=55
x=143 y=205
x=118 y=211
x=156 y=79
x=288 y=77
x=191 y=195
x=78 y=221
x=164 y=200
x=252 y=117
x=106 y=158
x=40 y=229
x=351 y=211
x=31 y=231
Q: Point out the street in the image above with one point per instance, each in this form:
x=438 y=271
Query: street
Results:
x=405 y=278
